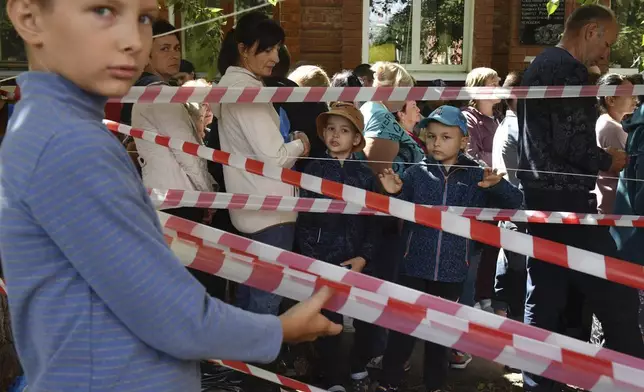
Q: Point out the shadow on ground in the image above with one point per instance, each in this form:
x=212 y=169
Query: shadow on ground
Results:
x=481 y=375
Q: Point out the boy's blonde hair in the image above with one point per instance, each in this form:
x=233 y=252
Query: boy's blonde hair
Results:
x=479 y=76
x=310 y=76
x=387 y=74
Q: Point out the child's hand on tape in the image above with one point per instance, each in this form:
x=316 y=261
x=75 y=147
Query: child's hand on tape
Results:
x=491 y=177
x=304 y=323
x=357 y=264
x=390 y=181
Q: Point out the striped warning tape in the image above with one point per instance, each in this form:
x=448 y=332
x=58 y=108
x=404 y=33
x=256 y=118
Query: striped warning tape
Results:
x=268 y=376
x=168 y=94
x=591 y=263
x=589 y=367
x=175 y=198
x=599 y=369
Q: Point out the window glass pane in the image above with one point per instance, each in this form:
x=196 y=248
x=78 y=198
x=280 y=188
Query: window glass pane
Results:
x=441 y=32
x=390 y=31
x=628 y=48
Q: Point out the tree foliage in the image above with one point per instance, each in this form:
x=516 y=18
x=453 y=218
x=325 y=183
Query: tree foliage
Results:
x=441 y=28
x=627 y=52
x=202 y=42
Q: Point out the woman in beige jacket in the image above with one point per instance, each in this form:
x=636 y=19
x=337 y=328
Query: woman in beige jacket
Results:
x=164 y=168
x=249 y=53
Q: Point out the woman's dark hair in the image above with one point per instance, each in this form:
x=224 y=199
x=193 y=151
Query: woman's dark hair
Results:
x=638 y=79
x=345 y=78
x=363 y=70
x=281 y=69
x=611 y=79
x=253 y=28
x=162 y=26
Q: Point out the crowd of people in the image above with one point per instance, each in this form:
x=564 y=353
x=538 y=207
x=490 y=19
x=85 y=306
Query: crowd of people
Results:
x=578 y=155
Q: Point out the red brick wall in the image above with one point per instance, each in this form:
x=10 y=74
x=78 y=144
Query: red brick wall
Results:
x=290 y=20
x=329 y=33
x=324 y=32
x=351 y=33
x=501 y=37
x=483 y=33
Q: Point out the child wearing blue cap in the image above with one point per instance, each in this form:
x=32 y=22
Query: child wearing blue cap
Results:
x=433 y=261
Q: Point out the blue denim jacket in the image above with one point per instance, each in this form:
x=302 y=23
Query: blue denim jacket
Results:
x=629 y=199
x=336 y=238
x=434 y=254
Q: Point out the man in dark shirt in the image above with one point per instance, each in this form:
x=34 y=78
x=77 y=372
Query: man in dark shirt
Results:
x=557 y=138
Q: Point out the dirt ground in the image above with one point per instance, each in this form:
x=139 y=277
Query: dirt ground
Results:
x=481 y=375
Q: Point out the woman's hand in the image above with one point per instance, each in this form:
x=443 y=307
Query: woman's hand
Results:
x=390 y=181
x=305 y=141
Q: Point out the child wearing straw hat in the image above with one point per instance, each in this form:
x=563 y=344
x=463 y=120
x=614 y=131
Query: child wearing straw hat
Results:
x=344 y=240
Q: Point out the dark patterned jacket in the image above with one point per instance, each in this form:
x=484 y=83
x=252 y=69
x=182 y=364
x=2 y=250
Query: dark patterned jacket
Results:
x=558 y=135
x=437 y=255
x=336 y=238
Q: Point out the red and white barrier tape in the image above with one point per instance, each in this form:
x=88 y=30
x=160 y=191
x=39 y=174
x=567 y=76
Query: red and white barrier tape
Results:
x=168 y=94
x=591 y=263
x=609 y=371
x=268 y=376
x=201 y=234
x=3 y=288
x=175 y=198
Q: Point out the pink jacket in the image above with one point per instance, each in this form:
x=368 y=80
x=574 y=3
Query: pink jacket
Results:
x=481 y=130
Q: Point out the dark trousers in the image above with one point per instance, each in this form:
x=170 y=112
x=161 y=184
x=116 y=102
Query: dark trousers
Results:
x=253 y=299
x=386 y=264
x=486 y=272
x=215 y=286
x=330 y=350
x=548 y=285
x=511 y=278
x=400 y=346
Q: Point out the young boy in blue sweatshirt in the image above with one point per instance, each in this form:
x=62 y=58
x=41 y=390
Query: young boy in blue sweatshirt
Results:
x=344 y=240
x=434 y=261
x=99 y=302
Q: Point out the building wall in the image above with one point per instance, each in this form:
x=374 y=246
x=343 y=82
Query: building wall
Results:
x=518 y=52
x=329 y=33
x=483 y=33
x=323 y=32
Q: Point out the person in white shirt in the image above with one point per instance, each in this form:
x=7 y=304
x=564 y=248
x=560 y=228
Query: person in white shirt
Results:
x=510 y=278
x=249 y=53
x=611 y=134
x=505 y=145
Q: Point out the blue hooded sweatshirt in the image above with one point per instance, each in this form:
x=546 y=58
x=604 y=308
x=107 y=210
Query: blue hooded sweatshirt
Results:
x=630 y=194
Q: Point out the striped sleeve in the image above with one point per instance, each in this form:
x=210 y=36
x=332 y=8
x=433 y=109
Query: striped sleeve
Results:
x=90 y=203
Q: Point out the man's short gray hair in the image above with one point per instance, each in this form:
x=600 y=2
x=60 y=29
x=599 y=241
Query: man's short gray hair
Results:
x=588 y=14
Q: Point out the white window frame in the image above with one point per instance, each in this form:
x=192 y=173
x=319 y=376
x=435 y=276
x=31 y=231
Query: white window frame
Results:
x=416 y=66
